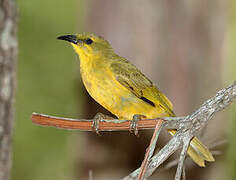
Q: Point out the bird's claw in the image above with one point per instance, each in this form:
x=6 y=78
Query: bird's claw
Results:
x=96 y=120
x=133 y=124
x=95 y=125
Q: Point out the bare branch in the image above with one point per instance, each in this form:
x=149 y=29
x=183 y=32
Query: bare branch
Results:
x=213 y=152
x=88 y=125
x=182 y=158
x=150 y=150
x=90 y=174
x=187 y=127
x=218 y=143
x=184 y=173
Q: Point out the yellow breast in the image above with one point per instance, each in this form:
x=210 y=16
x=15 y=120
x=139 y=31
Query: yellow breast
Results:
x=102 y=85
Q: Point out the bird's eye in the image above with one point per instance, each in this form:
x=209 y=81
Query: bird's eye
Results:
x=88 y=41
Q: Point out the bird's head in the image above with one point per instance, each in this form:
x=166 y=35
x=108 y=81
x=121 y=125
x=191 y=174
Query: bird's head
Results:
x=88 y=44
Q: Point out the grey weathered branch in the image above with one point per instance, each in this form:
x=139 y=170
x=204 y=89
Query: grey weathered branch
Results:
x=8 y=51
x=210 y=147
x=187 y=127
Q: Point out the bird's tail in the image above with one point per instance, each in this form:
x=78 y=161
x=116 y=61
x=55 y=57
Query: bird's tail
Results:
x=197 y=151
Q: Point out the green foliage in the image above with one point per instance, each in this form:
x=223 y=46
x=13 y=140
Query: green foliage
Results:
x=47 y=83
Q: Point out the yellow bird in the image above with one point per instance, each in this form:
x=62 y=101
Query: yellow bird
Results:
x=121 y=88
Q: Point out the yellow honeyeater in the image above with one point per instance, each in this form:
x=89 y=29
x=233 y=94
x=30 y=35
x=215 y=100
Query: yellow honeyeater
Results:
x=121 y=88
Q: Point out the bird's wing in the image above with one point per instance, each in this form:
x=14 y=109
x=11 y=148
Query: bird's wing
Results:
x=134 y=80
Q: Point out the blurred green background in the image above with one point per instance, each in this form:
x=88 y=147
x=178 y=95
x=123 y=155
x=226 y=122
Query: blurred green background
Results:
x=230 y=75
x=48 y=72
x=49 y=81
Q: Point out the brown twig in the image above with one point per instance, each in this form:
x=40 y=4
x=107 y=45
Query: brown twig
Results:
x=187 y=127
x=150 y=149
x=87 y=125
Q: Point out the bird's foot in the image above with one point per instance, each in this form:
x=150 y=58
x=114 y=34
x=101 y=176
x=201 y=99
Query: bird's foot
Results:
x=133 y=125
x=96 y=120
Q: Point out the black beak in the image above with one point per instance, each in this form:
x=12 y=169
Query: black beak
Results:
x=69 y=38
